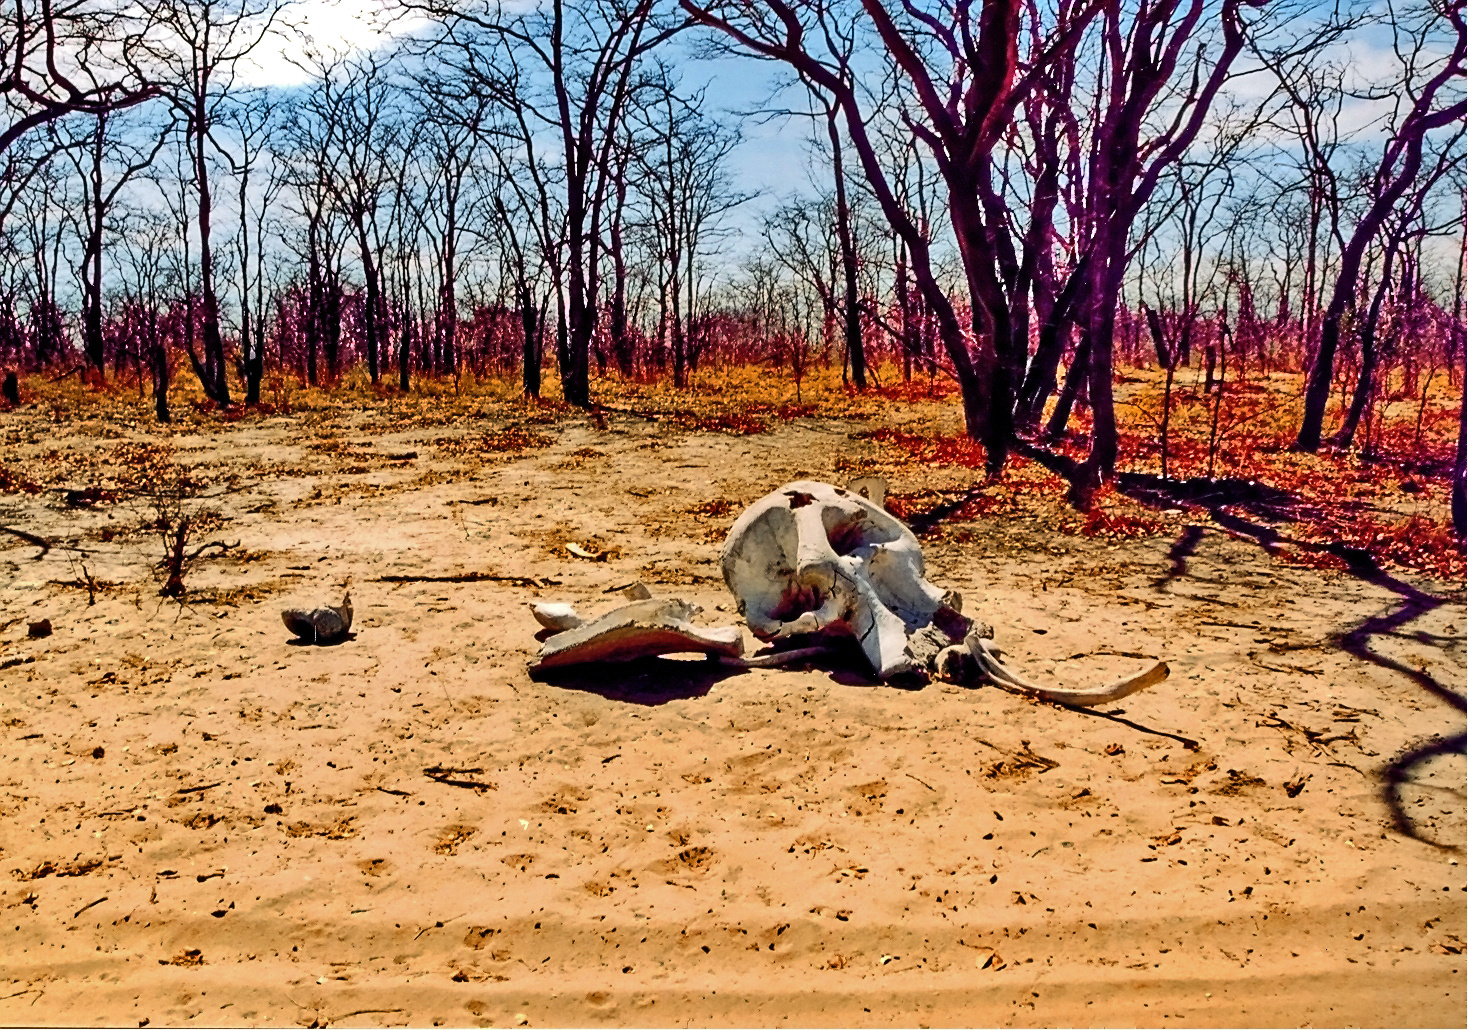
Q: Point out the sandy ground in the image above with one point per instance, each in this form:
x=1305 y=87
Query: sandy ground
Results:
x=204 y=823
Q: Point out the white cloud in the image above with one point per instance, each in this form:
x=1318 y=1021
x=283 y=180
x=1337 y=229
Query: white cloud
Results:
x=329 y=27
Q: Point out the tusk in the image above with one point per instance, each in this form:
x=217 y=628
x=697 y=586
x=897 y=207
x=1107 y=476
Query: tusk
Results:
x=996 y=672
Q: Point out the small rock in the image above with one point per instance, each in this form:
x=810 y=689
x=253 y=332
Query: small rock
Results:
x=39 y=629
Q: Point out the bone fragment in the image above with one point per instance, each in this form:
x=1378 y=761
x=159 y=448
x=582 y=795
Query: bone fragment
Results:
x=873 y=488
x=320 y=625
x=924 y=646
x=992 y=669
x=777 y=658
x=955 y=665
x=556 y=617
x=641 y=629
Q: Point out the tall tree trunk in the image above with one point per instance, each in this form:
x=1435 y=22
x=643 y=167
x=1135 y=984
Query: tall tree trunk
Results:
x=1101 y=461
x=563 y=338
x=92 y=259
x=1407 y=146
x=372 y=307
x=448 y=313
x=1460 y=468
x=908 y=337
x=621 y=339
x=216 y=386
x=675 y=325
x=1365 y=379
x=530 y=326
x=158 y=365
x=851 y=301
x=405 y=353
x=1080 y=365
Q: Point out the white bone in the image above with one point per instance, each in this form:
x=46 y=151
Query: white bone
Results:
x=813 y=559
x=557 y=617
x=641 y=629
x=992 y=669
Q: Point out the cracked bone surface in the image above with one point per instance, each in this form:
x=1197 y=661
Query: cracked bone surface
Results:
x=642 y=629
x=811 y=558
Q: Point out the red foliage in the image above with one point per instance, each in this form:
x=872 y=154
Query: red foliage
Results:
x=921 y=389
x=14 y=483
x=733 y=423
x=955 y=449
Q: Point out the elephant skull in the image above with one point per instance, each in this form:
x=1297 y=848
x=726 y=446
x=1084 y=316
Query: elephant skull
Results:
x=812 y=558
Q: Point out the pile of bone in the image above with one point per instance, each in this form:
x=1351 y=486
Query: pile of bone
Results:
x=814 y=567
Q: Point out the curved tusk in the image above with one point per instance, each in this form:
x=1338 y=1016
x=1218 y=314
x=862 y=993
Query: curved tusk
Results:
x=995 y=671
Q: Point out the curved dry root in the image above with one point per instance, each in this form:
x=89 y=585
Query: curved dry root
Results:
x=997 y=673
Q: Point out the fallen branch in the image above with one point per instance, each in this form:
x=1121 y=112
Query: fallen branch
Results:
x=472 y=577
x=439 y=774
x=925 y=783
x=89 y=904
x=196 y=790
x=1187 y=742
x=361 y=1012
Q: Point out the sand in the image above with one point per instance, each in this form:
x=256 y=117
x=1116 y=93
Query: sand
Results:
x=204 y=823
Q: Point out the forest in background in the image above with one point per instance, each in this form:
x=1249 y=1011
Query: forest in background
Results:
x=1015 y=202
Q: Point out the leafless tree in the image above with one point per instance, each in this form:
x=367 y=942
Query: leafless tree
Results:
x=251 y=124
x=64 y=57
x=964 y=79
x=1430 y=99
x=199 y=45
x=565 y=71
x=684 y=185
x=107 y=157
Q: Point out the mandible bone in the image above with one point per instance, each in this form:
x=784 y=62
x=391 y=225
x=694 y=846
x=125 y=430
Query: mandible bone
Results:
x=641 y=629
x=812 y=558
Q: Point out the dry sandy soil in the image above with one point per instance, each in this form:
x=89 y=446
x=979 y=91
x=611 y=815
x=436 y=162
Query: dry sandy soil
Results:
x=202 y=822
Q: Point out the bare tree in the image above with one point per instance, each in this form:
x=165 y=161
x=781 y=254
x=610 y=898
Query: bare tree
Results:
x=147 y=291
x=199 y=45
x=565 y=71
x=64 y=57
x=962 y=73
x=455 y=118
x=107 y=159
x=685 y=187
x=358 y=109
x=1432 y=100
x=251 y=124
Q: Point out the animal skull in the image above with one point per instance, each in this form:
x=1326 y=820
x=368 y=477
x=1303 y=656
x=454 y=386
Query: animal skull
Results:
x=811 y=558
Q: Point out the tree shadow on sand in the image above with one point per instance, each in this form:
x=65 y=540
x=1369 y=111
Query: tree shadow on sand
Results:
x=1245 y=509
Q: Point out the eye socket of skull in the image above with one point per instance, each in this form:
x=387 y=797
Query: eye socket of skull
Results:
x=847 y=531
